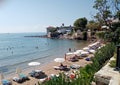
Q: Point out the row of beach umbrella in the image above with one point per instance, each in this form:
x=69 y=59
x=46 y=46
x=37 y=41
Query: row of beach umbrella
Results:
x=34 y=64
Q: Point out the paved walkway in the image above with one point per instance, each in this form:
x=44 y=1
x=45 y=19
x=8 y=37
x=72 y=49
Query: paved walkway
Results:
x=108 y=75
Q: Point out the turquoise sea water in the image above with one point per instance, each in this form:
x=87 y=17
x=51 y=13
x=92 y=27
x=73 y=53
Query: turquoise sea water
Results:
x=17 y=50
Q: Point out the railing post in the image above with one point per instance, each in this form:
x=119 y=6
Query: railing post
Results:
x=118 y=58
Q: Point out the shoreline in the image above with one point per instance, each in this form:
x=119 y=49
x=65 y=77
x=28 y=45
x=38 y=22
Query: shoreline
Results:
x=47 y=68
x=45 y=60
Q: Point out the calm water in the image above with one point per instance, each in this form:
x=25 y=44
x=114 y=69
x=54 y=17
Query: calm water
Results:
x=17 y=50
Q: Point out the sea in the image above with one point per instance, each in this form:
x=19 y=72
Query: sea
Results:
x=17 y=50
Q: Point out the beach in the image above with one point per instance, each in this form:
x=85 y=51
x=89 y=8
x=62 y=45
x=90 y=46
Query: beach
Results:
x=17 y=50
x=48 y=69
x=25 y=51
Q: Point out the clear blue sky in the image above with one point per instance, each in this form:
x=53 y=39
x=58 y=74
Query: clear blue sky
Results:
x=36 y=15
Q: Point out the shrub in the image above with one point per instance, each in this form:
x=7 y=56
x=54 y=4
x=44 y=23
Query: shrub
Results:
x=86 y=74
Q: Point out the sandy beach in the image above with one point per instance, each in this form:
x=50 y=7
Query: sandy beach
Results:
x=48 y=69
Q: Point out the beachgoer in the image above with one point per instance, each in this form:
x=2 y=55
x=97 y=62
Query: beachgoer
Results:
x=74 y=49
x=12 y=52
x=61 y=64
x=65 y=56
x=69 y=49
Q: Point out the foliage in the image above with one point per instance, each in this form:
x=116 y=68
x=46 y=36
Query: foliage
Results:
x=116 y=36
x=112 y=63
x=103 y=11
x=92 y=25
x=118 y=14
x=80 y=24
x=86 y=75
x=52 y=29
x=84 y=35
x=101 y=34
x=54 y=35
x=110 y=36
x=115 y=25
x=116 y=4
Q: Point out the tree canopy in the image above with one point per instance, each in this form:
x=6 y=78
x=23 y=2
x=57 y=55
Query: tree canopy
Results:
x=103 y=9
x=92 y=25
x=80 y=23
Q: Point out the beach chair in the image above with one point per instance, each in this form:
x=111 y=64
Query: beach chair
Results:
x=56 y=67
x=17 y=79
x=75 y=66
x=6 y=82
x=73 y=59
x=64 y=68
x=37 y=74
x=23 y=77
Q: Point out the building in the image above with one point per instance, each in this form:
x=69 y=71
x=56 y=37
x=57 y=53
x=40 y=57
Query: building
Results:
x=60 y=30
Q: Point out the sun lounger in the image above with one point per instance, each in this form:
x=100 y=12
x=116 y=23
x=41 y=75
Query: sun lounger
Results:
x=23 y=77
x=17 y=79
x=61 y=67
x=91 y=51
x=37 y=73
x=86 y=48
x=84 y=54
x=6 y=82
x=56 y=67
x=42 y=80
x=73 y=59
x=75 y=66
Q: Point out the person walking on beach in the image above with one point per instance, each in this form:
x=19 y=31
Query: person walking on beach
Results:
x=65 y=56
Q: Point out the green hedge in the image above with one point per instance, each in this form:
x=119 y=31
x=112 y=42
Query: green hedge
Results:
x=86 y=74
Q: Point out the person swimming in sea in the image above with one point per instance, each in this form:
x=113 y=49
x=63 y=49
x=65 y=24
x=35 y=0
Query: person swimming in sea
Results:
x=36 y=47
x=69 y=49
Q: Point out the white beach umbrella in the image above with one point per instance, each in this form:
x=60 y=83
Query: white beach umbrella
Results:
x=79 y=51
x=34 y=64
x=92 y=51
x=86 y=48
x=91 y=45
x=70 y=53
x=60 y=60
x=105 y=27
x=84 y=52
x=76 y=52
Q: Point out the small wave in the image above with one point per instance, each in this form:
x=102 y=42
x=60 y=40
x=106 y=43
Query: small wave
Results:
x=27 y=61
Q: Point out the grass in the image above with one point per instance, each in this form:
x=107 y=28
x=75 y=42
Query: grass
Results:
x=112 y=63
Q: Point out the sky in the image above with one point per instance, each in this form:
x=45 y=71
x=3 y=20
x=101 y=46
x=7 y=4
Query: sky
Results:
x=18 y=16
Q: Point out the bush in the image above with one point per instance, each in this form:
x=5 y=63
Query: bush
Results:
x=84 y=35
x=86 y=74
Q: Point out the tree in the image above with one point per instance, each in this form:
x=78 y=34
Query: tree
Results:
x=92 y=25
x=103 y=11
x=116 y=4
x=53 y=29
x=80 y=23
